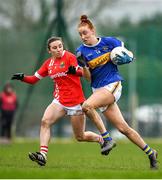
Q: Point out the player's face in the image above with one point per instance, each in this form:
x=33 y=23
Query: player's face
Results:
x=56 y=49
x=87 y=35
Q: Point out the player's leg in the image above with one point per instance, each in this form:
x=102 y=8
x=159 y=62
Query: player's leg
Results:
x=78 y=125
x=51 y=115
x=3 y=123
x=100 y=98
x=9 y=121
x=4 y=127
x=114 y=115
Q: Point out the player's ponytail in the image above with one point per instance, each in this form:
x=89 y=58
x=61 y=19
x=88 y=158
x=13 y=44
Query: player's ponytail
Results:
x=83 y=18
x=84 y=21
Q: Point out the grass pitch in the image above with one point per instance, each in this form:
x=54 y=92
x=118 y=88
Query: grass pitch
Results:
x=75 y=160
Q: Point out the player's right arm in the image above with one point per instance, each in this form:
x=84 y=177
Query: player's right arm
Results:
x=82 y=63
x=41 y=73
x=86 y=73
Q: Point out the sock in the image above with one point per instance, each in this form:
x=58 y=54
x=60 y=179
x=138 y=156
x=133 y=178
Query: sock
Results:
x=44 y=150
x=148 y=150
x=106 y=136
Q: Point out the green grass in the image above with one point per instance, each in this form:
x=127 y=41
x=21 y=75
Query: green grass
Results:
x=78 y=160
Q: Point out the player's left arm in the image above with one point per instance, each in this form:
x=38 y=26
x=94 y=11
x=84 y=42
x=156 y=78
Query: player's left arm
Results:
x=24 y=78
x=125 y=57
x=42 y=72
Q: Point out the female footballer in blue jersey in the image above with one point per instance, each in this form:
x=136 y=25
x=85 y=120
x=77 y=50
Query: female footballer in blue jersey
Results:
x=94 y=56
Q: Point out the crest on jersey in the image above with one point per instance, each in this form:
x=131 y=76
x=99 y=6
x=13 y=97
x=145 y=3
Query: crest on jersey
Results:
x=62 y=64
x=97 y=51
x=105 y=48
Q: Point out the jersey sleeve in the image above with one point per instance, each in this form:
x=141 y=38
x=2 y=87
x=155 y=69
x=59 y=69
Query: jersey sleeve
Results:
x=42 y=71
x=81 y=58
x=78 y=52
x=30 y=79
x=113 y=41
x=73 y=60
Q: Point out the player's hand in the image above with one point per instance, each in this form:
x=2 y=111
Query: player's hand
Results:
x=81 y=60
x=124 y=59
x=18 y=76
x=71 y=70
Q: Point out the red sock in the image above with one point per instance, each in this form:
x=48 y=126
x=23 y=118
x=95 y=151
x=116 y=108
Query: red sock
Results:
x=44 y=150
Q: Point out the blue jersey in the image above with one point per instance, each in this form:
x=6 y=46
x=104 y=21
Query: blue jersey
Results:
x=103 y=71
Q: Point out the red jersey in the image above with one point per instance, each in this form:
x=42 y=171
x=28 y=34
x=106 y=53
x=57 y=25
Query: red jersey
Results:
x=67 y=87
x=8 y=101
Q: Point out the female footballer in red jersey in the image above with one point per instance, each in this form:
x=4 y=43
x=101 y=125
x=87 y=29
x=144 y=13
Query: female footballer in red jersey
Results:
x=62 y=67
x=94 y=56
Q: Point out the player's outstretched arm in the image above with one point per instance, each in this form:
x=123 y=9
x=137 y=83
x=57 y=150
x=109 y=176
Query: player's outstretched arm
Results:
x=27 y=79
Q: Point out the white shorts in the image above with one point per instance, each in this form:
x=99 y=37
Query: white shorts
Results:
x=72 y=110
x=115 y=88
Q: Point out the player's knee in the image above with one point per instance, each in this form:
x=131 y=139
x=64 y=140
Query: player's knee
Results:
x=45 y=123
x=86 y=107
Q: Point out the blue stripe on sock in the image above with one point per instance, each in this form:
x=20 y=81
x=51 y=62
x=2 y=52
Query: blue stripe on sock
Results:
x=103 y=134
x=108 y=139
x=145 y=147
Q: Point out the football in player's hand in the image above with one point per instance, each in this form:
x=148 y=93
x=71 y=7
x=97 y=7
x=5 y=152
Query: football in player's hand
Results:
x=120 y=55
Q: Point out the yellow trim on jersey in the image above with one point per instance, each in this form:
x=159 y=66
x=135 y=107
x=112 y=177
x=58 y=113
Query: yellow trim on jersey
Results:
x=99 y=60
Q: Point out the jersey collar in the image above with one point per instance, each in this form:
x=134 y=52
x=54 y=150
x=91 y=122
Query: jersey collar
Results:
x=63 y=53
x=99 y=40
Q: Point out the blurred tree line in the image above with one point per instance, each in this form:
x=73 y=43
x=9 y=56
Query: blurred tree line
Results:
x=35 y=14
x=23 y=15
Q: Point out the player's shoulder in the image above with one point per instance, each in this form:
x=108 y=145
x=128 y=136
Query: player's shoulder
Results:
x=113 y=41
x=69 y=54
x=80 y=48
x=47 y=61
x=109 y=38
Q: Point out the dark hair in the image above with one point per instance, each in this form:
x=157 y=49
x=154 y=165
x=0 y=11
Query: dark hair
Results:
x=52 y=39
x=8 y=85
x=84 y=20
